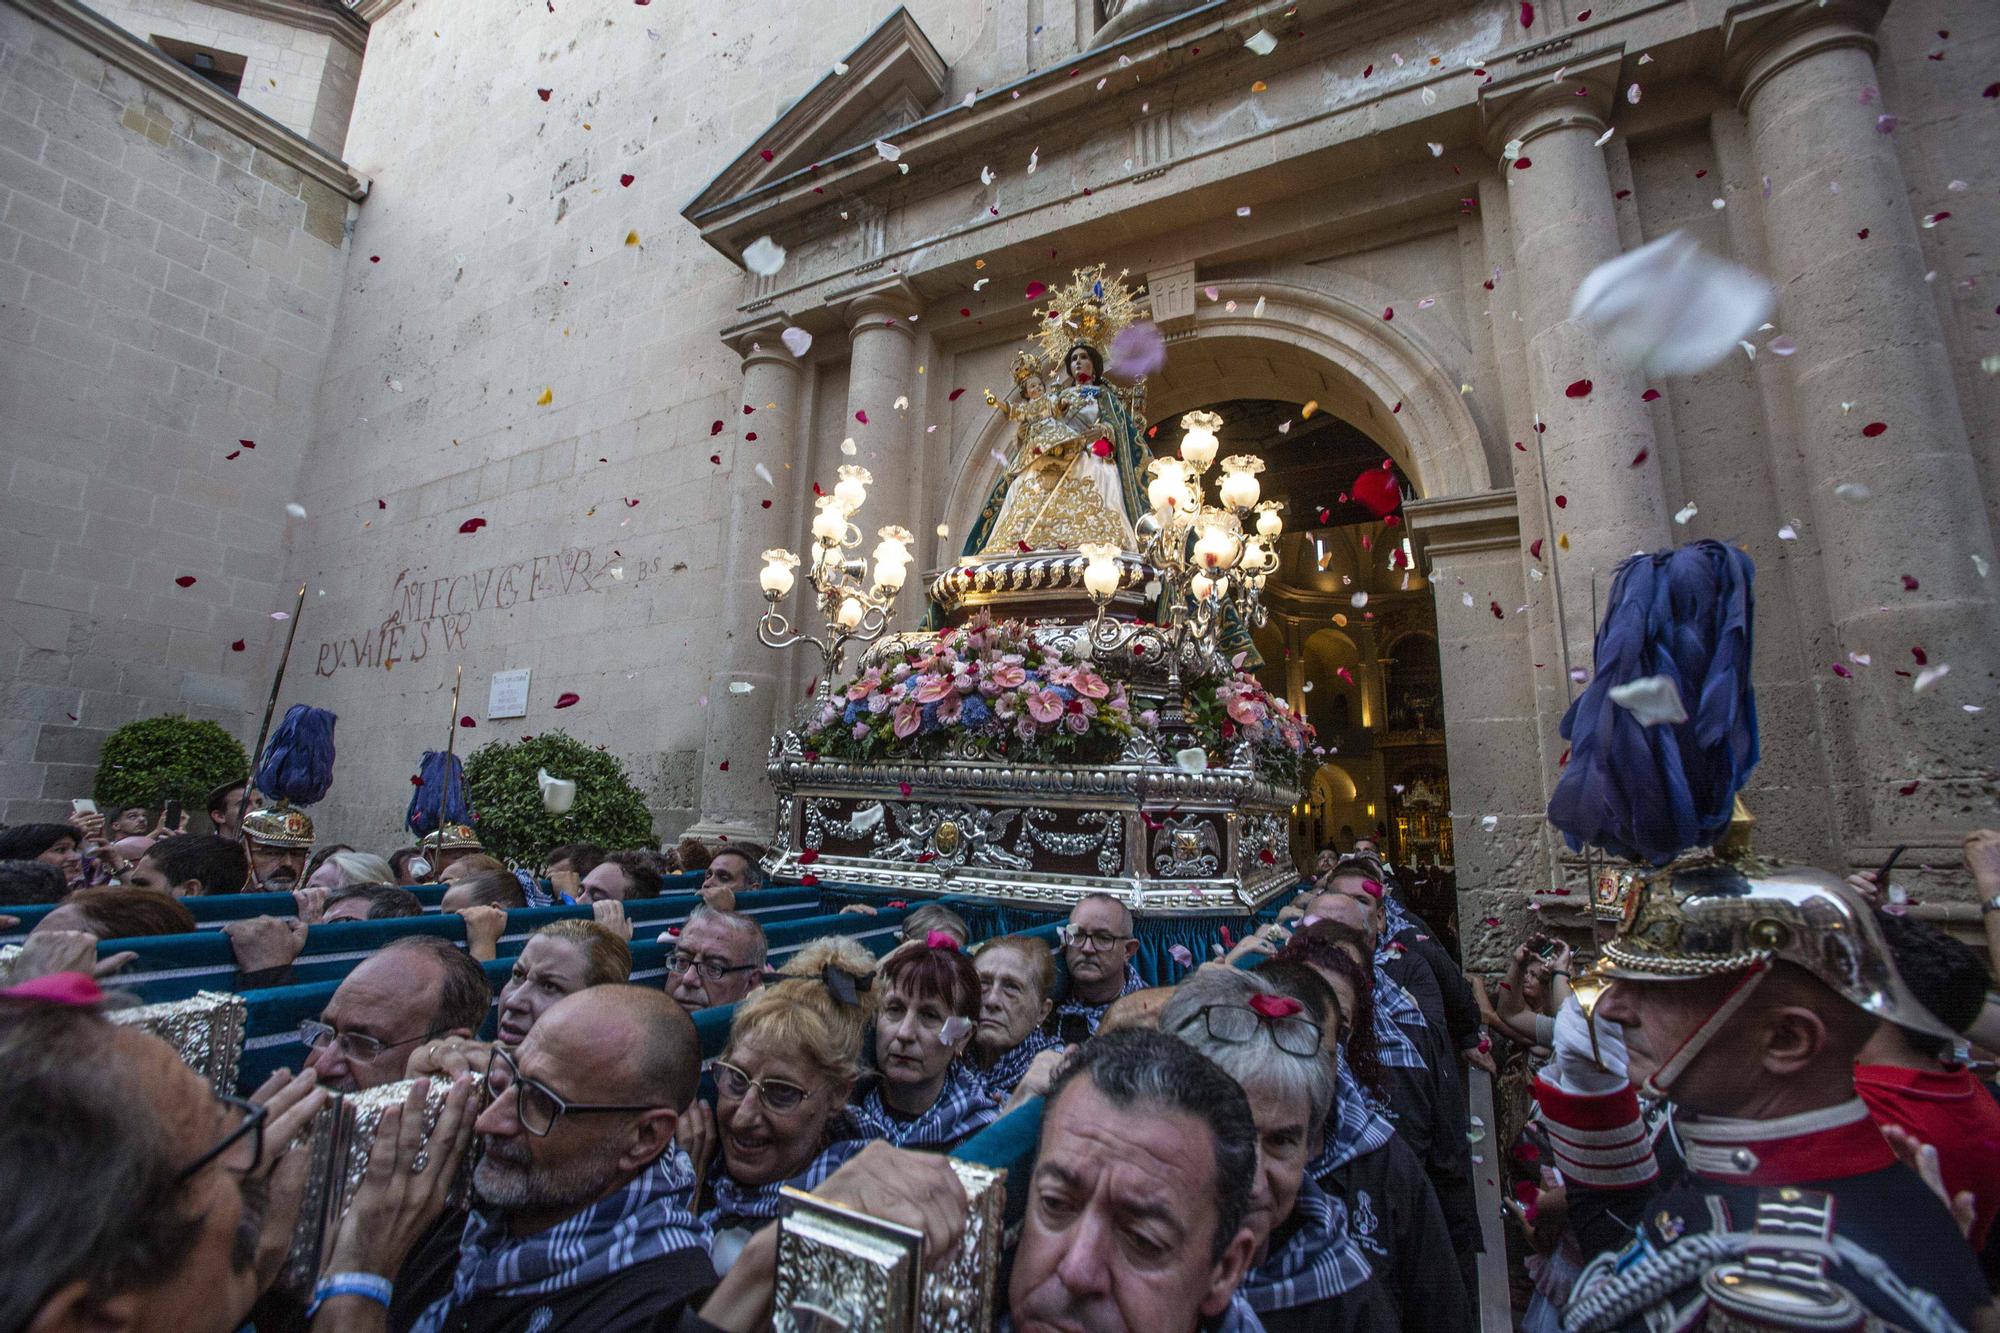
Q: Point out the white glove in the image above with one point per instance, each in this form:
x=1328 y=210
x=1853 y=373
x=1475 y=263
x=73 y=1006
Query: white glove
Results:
x=1576 y=1068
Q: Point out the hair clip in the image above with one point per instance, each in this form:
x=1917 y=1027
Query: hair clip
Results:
x=1276 y=1006
x=844 y=985
x=939 y=939
x=1372 y=887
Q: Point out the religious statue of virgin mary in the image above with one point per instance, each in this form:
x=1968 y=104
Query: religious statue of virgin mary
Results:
x=1077 y=472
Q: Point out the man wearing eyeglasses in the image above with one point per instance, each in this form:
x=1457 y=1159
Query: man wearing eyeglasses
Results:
x=716 y=960
x=136 y=1197
x=415 y=988
x=577 y=1220
x=1098 y=947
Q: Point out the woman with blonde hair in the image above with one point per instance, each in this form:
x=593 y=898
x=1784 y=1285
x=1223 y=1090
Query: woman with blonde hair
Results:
x=782 y=1085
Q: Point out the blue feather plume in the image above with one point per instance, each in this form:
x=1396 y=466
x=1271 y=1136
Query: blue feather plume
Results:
x=1650 y=793
x=298 y=759
x=438 y=785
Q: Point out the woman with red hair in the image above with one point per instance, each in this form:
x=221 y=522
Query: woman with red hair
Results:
x=926 y=1094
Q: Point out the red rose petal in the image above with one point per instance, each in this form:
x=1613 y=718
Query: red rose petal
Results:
x=248 y=444
x=544 y=93
x=1873 y=428
x=238 y=646
x=1522 y=447
x=416 y=781
x=1366 y=72
x=1992 y=90
x=715 y=458
x=903 y=787
x=1494 y=607
x=467 y=721
x=1101 y=447
x=1909 y=788
x=568 y=699
x=1583 y=16
x=1264 y=855
x=1622 y=194
x=723 y=766
x=1535 y=547
x=1862 y=234
x=627 y=179
x=1388 y=312
x=1909 y=584
x=766 y=154
x=1842 y=672
x=1562 y=502
x=1488 y=284
x=233 y=453
x=1035 y=290
x=809 y=880
x=1639 y=457
x=1650 y=396
x=747 y=409
x=808 y=856
x=1578 y=389
x=1527 y=14
x=861 y=415
x=631 y=504
x=1923 y=658
x=381 y=504
x=715 y=428
x=185 y=581
x=472 y=525
x=766 y=504
x=1523 y=163
x=952 y=397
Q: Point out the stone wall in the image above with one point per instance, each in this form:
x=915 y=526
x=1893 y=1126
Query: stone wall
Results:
x=303 y=77
x=166 y=289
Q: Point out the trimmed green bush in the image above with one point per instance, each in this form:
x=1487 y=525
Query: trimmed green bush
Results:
x=158 y=759
x=513 y=826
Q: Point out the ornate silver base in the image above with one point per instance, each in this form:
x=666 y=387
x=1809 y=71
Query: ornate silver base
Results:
x=1166 y=841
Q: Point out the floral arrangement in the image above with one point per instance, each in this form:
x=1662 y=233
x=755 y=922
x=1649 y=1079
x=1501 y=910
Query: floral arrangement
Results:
x=1232 y=708
x=987 y=686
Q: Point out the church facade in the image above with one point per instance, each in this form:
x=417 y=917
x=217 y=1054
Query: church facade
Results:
x=546 y=398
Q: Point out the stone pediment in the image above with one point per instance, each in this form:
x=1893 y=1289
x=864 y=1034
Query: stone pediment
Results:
x=891 y=79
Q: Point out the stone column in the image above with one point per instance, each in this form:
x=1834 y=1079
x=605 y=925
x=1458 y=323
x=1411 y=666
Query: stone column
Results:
x=1489 y=725
x=1902 y=566
x=1559 y=201
x=881 y=370
x=1295 y=667
x=736 y=800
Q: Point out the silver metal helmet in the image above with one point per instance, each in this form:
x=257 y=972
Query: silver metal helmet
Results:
x=1729 y=912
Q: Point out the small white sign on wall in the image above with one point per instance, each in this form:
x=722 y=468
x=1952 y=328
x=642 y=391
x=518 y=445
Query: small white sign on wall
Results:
x=507 y=694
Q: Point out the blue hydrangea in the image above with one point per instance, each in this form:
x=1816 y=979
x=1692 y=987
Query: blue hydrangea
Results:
x=973 y=713
x=930 y=718
x=851 y=714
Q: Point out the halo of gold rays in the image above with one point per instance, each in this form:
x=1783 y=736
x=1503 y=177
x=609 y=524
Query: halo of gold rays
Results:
x=1092 y=309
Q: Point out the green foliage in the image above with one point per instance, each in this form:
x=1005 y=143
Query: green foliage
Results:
x=513 y=826
x=158 y=759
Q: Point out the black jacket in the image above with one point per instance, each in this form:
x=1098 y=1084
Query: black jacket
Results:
x=1393 y=1214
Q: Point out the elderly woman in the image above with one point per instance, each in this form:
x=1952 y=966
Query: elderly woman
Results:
x=1017 y=974
x=345 y=869
x=928 y=1095
x=782 y=1083
x=1307 y=1271
x=1360 y=1160
x=560 y=959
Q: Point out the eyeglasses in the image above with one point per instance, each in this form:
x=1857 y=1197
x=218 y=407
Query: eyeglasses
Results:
x=249 y=1130
x=356 y=1046
x=538 y=1105
x=776 y=1094
x=1096 y=940
x=1235 y=1023
x=709 y=968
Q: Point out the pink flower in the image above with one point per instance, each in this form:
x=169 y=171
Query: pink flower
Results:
x=860 y=731
x=930 y=689
x=908 y=717
x=1025 y=729
x=1089 y=684
x=1077 y=723
x=1009 y=674
x=1044 y=706
x=1061 y=675
x=881 y=702
x=828 y=714
x=1245 y=712
x=1151 y=718
x=1006 y=707
x=866 y=685
x=948 y=707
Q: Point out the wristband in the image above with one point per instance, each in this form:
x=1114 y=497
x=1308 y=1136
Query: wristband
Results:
x=370 y=1285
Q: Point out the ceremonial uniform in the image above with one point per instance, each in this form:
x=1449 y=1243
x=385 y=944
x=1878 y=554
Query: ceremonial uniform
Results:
x=1805 y=1221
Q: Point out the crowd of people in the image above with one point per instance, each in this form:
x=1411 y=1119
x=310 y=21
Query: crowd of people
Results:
x=1280 y=1139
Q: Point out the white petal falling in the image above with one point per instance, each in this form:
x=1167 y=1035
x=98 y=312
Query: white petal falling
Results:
x=763 y=256
x=1669 y=307
x=1652 y=700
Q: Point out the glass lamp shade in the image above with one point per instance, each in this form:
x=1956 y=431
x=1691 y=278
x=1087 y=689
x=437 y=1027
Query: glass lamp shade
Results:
x=894 y=548
x=850 y=612
x=829 y=526
x=852 y=488
x=1269 y=524
x=1202 y=586
x=889 y=575
x=1167 y=491
x=777 y=577
x=1100 y=571
x=1240 y=487
x=1198 y=442
x=1217 y=548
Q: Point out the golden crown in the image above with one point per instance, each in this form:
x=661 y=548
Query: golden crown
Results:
x=1026 y=363
x=1094 y=308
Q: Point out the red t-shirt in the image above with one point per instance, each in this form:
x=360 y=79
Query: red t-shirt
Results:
x=1951 y=1111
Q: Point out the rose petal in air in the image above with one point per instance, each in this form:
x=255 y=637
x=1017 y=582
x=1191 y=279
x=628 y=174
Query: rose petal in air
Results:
x=763 y=256
x=1139 y=350
x=1873 y=429
x=1578 y=389
x=472 y=525
x=796 y=340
